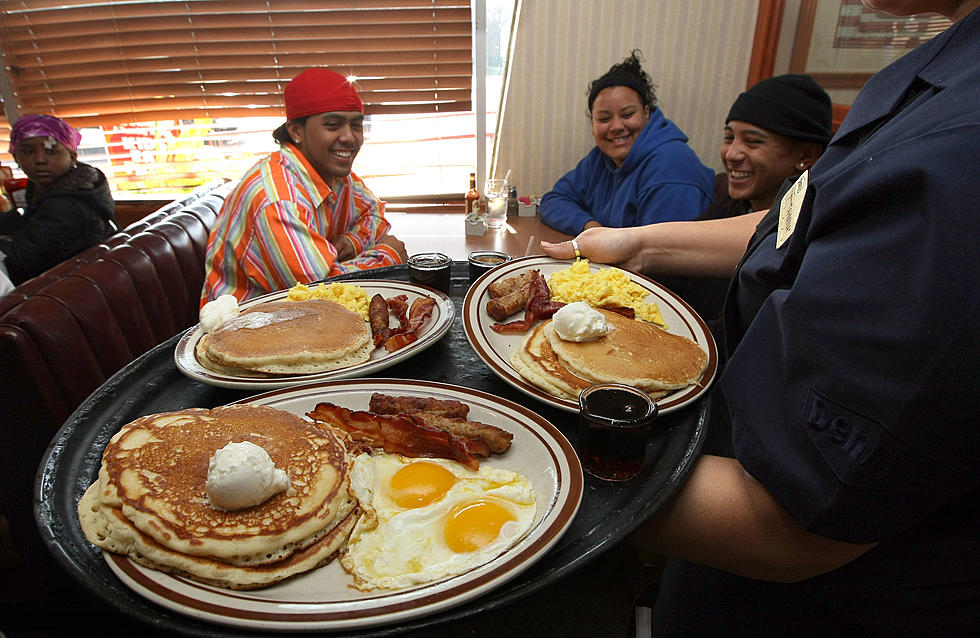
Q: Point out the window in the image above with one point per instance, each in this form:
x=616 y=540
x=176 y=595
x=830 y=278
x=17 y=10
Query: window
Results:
x=173 y=94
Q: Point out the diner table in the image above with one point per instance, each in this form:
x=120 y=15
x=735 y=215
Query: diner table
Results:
x=608 y=514
x=446 y=233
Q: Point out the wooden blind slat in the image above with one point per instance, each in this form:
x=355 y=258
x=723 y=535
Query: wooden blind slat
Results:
x=163 y=52
x=51 y=11
x=281 y=23
x=97 y=77
x=178 y=33
x=369 y=90
x=123 y=103
x=169 y=114
x=289 y=65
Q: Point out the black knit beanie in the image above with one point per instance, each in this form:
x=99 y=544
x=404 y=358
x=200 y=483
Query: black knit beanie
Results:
x=793 y=105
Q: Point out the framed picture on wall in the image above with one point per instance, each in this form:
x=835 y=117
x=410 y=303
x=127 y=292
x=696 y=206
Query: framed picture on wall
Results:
x=842 y=44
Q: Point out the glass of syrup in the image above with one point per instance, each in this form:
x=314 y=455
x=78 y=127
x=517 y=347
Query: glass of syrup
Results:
x=483 y=261
x=430 y=269
x=615 y=425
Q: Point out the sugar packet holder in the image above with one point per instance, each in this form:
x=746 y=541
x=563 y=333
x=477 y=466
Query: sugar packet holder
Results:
x=527 y=206
x=474 y=224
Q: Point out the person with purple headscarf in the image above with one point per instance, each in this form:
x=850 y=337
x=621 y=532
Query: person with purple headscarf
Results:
x=69 y=206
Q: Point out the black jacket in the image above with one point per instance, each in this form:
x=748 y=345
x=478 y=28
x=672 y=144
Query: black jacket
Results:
x=60 y=220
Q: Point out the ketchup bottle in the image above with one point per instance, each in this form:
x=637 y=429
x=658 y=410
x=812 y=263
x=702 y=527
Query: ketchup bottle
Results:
x=16 y=189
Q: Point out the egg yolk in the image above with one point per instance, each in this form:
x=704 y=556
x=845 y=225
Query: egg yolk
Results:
x=418 y=484
x=475 y=524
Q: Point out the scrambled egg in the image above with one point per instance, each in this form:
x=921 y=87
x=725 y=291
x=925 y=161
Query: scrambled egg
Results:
x=347 y=295
x=606 y=287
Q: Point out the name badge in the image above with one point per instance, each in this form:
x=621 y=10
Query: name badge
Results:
x=789 y=209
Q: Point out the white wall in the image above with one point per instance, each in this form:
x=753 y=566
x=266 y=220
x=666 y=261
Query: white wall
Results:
x=696 y=51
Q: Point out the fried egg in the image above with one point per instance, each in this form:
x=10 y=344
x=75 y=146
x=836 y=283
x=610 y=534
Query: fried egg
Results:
x=427 y=519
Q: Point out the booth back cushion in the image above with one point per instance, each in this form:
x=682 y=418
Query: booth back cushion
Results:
x=66 y=331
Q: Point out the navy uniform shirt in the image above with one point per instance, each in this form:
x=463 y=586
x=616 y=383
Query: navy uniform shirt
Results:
x=853 y=380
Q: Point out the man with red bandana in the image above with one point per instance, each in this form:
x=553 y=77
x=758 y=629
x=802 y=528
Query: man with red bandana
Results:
x=300 y=215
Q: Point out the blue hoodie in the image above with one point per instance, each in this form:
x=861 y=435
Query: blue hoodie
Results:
x=661 y=180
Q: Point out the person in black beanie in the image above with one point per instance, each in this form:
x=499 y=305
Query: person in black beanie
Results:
x=774 y=131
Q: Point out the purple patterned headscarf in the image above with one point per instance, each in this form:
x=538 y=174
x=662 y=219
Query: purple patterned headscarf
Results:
x=44 y=126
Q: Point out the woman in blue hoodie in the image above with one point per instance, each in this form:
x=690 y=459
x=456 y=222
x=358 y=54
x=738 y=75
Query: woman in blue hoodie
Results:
x=641 y=170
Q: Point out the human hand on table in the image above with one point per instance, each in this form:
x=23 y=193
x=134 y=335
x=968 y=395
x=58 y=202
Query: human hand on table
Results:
x=397 y=244
x=614 y=246
x=344 y=248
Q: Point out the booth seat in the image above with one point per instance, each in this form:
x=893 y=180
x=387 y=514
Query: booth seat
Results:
x=66 y=331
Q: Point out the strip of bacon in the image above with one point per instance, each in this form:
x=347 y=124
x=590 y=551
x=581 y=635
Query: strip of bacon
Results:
x=395 y=434
x=472 y=445
x=539 y=306
x=421 y=308
x=626 y=311
x=406 y=333
x=399 y=305
x=399 y=340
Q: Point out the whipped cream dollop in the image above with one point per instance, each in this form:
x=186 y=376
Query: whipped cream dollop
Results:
x=218 y=311
x=242 y=475
x=578 y=321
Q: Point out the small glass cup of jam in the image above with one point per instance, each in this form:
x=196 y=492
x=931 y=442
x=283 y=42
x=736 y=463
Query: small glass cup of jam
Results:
x=483 y=261
x=431 y=269
x=615 y=424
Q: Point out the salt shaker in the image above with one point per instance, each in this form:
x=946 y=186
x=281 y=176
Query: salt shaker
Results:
x=512 y=201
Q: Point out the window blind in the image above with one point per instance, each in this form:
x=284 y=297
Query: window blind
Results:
x=103 y=63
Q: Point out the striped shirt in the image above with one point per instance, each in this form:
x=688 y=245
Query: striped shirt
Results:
x=278 y=227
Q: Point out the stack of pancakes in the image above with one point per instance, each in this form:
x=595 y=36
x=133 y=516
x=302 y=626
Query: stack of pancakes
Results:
x=150 y=502
x=287 y=338
x=635 y=353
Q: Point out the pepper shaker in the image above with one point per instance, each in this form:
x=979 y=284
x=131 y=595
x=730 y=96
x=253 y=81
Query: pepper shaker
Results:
x=512 y=201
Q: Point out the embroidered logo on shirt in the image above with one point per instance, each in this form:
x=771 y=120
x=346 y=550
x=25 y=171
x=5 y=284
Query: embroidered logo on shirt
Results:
x=789 y=208
x=858 y=449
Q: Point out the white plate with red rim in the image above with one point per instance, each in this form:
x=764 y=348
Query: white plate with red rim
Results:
x=432 y=330
x=495 y=348
x=323 y=599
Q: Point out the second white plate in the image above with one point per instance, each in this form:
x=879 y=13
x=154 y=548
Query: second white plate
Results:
x=495 y=348
x=434 y=329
